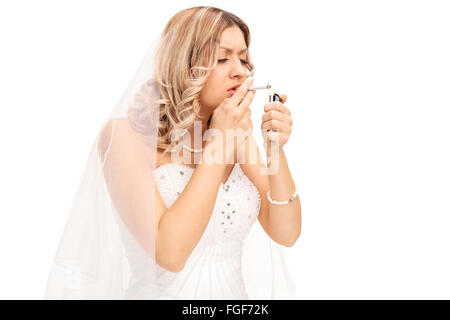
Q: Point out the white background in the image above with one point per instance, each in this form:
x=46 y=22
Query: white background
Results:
x=368 y=87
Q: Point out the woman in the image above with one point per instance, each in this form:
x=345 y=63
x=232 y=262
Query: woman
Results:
x=157 y=219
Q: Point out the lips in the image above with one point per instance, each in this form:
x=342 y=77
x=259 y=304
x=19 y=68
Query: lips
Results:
x=234 y=87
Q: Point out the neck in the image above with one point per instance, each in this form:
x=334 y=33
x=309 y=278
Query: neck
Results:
x=199 y=128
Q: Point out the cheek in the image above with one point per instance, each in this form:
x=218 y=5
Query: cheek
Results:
x=211 y=95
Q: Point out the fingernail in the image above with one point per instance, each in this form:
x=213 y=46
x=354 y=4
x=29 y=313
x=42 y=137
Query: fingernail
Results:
x=250 y=79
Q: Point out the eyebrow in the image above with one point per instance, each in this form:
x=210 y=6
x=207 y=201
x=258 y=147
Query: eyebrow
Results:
x=229 y=50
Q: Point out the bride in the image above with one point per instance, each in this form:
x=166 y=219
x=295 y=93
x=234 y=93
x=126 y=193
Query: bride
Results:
x=169 y=206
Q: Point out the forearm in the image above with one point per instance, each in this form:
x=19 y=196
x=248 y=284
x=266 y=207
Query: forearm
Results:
x=284 y=220
x=182 y=226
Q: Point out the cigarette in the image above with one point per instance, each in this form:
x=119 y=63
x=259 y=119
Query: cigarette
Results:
x=267 y=86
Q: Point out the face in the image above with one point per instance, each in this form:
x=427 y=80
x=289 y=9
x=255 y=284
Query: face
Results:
x=230 y=70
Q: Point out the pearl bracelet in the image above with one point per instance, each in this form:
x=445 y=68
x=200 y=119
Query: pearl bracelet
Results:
x=281 y=202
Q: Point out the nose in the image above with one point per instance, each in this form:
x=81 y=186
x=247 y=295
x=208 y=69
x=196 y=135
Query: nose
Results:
x=238 y=69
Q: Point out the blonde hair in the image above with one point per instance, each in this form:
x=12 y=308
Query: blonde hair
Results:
x=187 y=54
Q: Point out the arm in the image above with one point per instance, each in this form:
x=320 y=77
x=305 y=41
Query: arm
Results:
x=182 y=226
x=129 y=180
x=285 y=220
x=281 y=223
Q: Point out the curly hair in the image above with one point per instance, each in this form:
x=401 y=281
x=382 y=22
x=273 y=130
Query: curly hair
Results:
x=187 y=54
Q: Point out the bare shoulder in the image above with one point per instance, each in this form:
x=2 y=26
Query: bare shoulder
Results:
x=118 y=136
x=125 y=137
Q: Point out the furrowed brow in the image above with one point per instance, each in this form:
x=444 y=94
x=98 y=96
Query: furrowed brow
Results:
x=230 y=50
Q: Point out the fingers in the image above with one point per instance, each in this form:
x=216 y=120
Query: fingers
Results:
x=283 y=98
x=276 y=115
x=277 y=105
x=245 y=104
x=241 y=92
x=275 y=124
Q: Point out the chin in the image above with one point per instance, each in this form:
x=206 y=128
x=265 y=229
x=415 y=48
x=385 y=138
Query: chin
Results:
x=214 y=103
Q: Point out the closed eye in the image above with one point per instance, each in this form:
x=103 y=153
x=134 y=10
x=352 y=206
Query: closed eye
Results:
x=223 y=60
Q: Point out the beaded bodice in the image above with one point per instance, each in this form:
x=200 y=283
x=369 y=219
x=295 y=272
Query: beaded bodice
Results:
x=237 y=203
x=213 y=269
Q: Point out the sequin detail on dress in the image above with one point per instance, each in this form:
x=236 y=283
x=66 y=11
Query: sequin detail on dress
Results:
x=213 y=270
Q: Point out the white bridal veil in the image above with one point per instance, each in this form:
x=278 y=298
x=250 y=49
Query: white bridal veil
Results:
x=92 y=261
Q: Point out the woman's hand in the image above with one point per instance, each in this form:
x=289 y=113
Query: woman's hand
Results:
x=233 y=115
x=277 y=116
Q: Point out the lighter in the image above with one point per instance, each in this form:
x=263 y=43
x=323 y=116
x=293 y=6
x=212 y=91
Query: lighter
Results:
x=272 y=98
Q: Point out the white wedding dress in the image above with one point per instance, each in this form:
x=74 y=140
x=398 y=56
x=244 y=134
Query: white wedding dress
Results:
x=213 y=270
